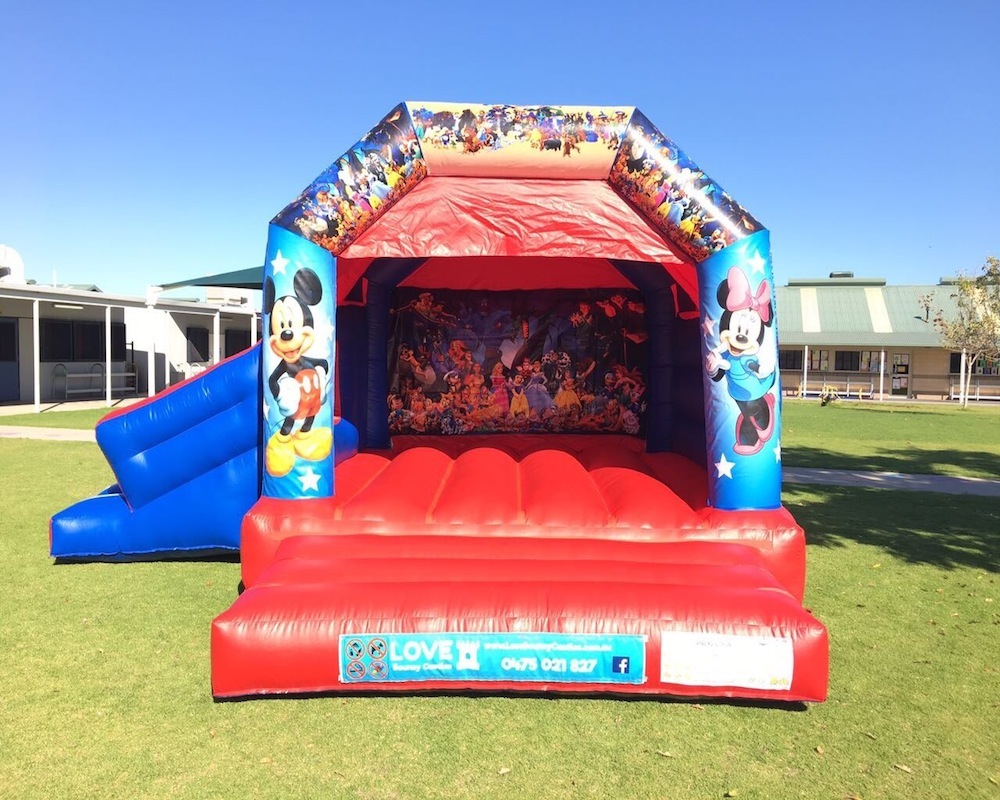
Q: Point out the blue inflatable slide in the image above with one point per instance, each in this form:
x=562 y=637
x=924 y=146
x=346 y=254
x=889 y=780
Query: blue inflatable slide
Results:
x=186 y=464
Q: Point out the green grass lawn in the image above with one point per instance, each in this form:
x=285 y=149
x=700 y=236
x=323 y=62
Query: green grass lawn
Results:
x=106 y=681
x=940 y=439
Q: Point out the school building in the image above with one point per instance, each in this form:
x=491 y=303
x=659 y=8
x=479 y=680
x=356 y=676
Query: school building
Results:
x=855 y=337
x=62 y=343
x=860 y=338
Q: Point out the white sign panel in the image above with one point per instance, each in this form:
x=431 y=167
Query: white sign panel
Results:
x=690 y=658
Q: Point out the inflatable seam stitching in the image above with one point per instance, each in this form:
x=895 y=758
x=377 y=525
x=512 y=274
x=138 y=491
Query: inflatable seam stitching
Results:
x=522 y=515
x=338 y=513
x=432 y=506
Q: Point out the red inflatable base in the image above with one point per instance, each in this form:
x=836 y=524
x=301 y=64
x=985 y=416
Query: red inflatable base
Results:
x=520 y=563
x=533 y=487
x=404 y=614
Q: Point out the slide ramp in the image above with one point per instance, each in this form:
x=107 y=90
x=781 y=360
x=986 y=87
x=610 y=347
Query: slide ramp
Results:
x=186 y=465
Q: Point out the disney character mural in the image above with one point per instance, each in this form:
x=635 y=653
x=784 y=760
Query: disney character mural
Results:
x=299 y=382
x=748 y=369
x=360 y=186
x=516 y=362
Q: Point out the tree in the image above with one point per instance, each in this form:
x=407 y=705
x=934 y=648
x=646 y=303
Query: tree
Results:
x=974 y=326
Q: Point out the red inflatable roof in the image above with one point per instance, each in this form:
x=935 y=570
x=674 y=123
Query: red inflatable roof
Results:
x=452 y=181
x=533 y=234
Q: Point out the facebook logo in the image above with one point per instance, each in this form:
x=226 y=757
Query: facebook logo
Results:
x=619 y=665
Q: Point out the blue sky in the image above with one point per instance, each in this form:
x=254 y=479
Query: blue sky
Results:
x=146 y=144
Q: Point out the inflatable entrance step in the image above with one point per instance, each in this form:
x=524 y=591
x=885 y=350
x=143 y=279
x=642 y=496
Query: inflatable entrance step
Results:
x=336 y=570
x=563 y=633
x=518 y=548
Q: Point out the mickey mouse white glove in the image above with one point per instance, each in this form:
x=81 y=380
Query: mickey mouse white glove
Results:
x=289 y=394
x=321 y=377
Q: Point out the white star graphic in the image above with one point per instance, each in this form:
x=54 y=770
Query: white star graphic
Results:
x=309 y=480
x=708 y=326
x=777 y=453
x=279 y=263
x=725 y=467
x=757 y=263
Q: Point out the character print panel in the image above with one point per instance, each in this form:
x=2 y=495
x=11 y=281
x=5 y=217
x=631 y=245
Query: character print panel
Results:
x=525 y=362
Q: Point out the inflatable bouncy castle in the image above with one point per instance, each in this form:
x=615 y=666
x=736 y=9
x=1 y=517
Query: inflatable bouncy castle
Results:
x=514 y=425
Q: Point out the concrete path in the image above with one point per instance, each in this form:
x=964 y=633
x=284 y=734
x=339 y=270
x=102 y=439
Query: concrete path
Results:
x=49 y=434
x=893 y=480
x=71 y=405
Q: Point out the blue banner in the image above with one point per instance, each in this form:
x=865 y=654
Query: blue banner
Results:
x=740 y=370
x=510 y=657
x=299 y=319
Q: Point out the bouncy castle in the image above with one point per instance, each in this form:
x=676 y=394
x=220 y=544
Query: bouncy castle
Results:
x=514 y=425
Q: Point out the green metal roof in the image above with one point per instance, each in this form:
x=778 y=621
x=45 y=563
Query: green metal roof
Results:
x=844 y=310
x=860 y=313
x=788 y=312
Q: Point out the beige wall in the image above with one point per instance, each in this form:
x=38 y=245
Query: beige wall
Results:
x=928 y=375
x=930 y=372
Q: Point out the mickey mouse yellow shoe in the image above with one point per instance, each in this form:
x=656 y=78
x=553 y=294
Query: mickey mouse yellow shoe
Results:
x=313 y=445
x=279 y=455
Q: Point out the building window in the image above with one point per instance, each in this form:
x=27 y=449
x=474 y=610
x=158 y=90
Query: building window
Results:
x=88 y=341
x=56 y=339
x=871 y=360
x=118 y=346
x=790 y=360
x=8 y=340
x=197 y=341
x=819 y=360
x=982 y=366
x=985 y=366
x=847 y=361
x=79 y=340
x=236 y=341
